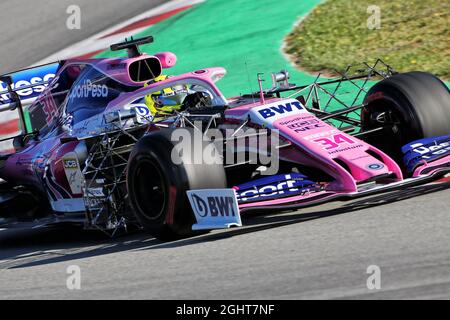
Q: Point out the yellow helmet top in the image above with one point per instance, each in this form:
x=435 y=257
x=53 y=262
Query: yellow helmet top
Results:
x=159 y=79
x=150 y=101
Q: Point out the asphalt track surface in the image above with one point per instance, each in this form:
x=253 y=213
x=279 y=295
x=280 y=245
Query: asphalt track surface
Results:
x=321 y=252
x=33 y=30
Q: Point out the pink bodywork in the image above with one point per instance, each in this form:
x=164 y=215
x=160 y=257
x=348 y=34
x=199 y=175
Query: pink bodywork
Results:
x=115 y=67
x=208 y=76
x=326 y=144
x=431 y=167
x=348 y=160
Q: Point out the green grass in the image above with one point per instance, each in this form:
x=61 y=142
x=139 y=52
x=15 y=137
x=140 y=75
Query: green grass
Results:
x=414 y=35
x=243 y=36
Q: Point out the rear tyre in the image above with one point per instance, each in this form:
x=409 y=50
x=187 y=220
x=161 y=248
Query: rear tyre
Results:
x=157 y=186
x=411 y=106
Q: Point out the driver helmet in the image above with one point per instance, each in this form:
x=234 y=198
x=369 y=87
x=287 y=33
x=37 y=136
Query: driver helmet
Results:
x=162 y=102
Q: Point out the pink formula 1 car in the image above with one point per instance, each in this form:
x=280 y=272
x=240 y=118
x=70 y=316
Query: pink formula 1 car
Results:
x=109 y=143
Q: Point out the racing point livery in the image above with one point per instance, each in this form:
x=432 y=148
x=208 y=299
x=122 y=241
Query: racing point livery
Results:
x=92 y=153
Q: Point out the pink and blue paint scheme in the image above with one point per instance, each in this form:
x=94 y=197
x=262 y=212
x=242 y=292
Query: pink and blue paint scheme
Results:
x=351 y=162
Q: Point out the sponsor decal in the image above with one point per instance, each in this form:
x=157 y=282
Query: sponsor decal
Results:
x=214 y=209
x=94 y=197
x=375 y=166
x=95 y=192
x=275 y=187
x=143 y=113
x=73 y=173
x=214 y=206
x=285 y=123
x=280 y=109
x=93 y=202
x=305 y=125
x=356 y=146
x=88 y=89
x=37 y=77
x=70 y=164
x=142 y=110
x=68 y=121
x=428 y=150
x=272 y=112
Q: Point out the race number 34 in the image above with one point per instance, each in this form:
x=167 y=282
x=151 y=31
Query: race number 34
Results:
x=334 y=141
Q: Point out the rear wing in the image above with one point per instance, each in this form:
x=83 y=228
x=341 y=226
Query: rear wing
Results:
x=28 y=84
x=18 y=90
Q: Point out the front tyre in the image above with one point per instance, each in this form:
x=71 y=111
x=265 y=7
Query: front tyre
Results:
x=157 y=186
x=410 y=106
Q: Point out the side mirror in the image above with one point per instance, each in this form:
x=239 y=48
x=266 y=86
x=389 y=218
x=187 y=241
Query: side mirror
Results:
x=280 y=78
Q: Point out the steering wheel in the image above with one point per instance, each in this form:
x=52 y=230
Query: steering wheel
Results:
x=196 y=100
